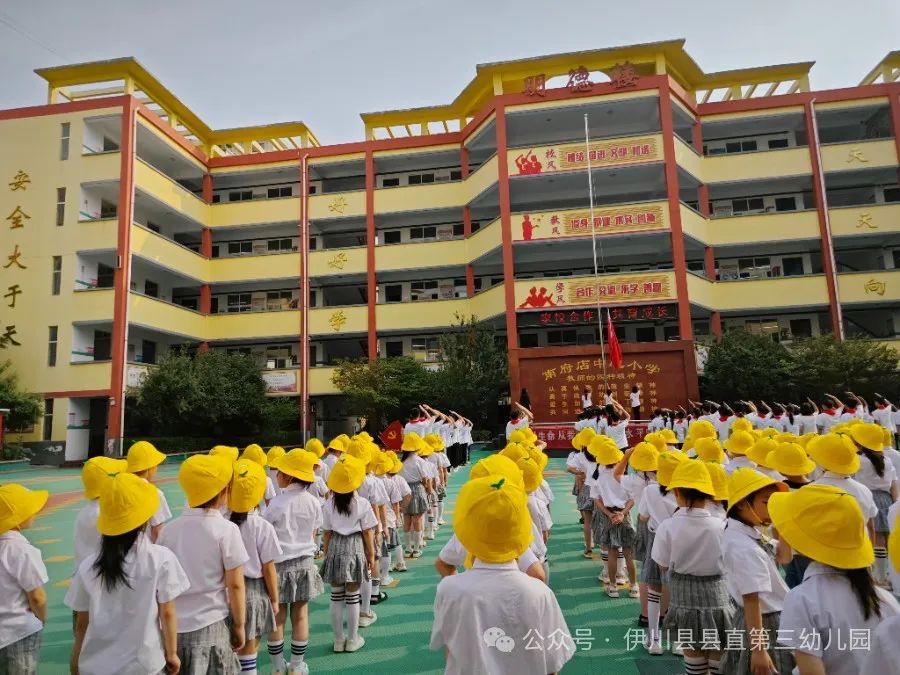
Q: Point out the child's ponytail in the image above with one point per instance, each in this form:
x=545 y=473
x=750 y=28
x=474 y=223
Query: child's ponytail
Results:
x=109 y=565
x=864 y=589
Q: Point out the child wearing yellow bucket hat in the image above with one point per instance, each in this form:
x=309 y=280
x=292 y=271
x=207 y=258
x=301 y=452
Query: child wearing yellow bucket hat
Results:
x=838 y=596
x=95 y=476
x=689 y=545
x=255 y=453
x=718 y=505
x=295 y=515
x=336 y=446
x=492 y=522
x=143 y=460
x=582 y=466
x=417 y=475
x=349 y=525
x=381 y=467
x=275 y=453
x=212 y=553
x=398 y=491
x=759 y=455
x=124 y=596
x=22 y=579
x=643 y=462
x=883 y=656
x=738 y=445
x=752 y=576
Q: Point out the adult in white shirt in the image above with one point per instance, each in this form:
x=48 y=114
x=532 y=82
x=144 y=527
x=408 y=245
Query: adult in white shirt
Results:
x=617 y=426
x=586 y=401
x=634 y=400
x=519 y=418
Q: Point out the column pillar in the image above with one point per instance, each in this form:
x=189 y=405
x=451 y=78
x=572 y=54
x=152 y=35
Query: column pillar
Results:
x=371 y=282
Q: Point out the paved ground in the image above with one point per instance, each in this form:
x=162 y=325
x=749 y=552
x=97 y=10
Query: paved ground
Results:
x=398 y=642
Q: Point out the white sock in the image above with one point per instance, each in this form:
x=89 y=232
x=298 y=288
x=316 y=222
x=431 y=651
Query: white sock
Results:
x=695 y=665
x=376 y=588
x=337 y=616
x=715 y=667
x=653 y=598
x=398 y=554
x=420 y=539
x=248 y=663
x=880 y=568
x=440 y=510
x=407 y=539
x=384 y=567
x=352 y=600
x=365 y=594
x=546 y=572
x=298 y=651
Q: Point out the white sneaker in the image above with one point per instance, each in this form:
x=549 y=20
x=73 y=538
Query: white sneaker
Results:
x=339 y=645
x=399 y=567
x=355 y=645
x=302 y=670
x=612 y=591
x=655 y=648
x=365 y=621
x=429 y=536
x=442 y=522
x=387 y=581
x=635 y=592
x=621 y=581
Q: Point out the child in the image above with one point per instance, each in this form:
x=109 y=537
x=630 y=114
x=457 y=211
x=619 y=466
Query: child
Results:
x=836 y=455
x=349 y=525
x=643 y=460
x=415 y=473
x=583 y=467
x=679 y=427
x=275 y=453
x=492 y=522
x=255 y=454
x=398 y=493
x=617 y=427
x=337 y=446
x=759 y=455
x=718 y=505
x=838 y=596
x=737 y=445
x=22 y=579
x=95 y=475
x=830 y=415
x=752 y=576
x=689 y=545
x=882 y=656
x=124 y=595
x=531 y=482
x=143 y=460
x=212 y=553
x=519 y=418
x=382 y=465
x=295 y=515
x=724 y=422
x=611 y=524
x=791 y=461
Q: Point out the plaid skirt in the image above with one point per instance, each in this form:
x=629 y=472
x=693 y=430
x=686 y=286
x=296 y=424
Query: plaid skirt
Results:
x=21 y=657
x=651 y=573
x=884 y=502
x=642 y=532
x=393 y=539
x=700 y=611
x=418 y=500
x=583 y=500
x=207 y=651
x=345 y=562
x=737 y=660
x=260 y=617
x=608 y=535
x=299 y=580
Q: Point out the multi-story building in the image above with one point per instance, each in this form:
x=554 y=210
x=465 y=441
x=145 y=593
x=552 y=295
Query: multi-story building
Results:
x=722 y=200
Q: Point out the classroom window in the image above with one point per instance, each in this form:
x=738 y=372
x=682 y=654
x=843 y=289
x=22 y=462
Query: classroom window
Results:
x=701 y=328
x=48 y=418
x=754 y=268
x=240 y=196
x=562 y=337
x=107 y=209
x=188 y=303
x=275 y=245
x=745 y=205
x=528 y=340
x=800 y=328
x=459 y=229
x=892 y=194
x=312 y=298
x=455 y=174
x=53 y=337
x=278 y=300
x=429 y=232
x=792 y=266
x=776 y=143
x=56 y=280
x=102 y=345
x=390 y=182
x=105 y=276
x=475 y=226
x=670 y=333
x=393 y=293
x=393 y=348
x=423 y=290
x=392 y=236
x=763 y=327
x=284 y=191
x=785 y=204
x=60 y=206
x=66 y=130
x=313 y=243
x=238 y=302
x=240 y=247
x=151 y=288
x=216 y=198
x=148 y=351
x=740 y=146
x=645 y=334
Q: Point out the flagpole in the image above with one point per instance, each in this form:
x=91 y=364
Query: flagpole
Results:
x=587 y=154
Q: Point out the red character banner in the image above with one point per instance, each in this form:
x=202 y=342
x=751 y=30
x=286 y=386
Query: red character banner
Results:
x=577 y=222
x=574 y=157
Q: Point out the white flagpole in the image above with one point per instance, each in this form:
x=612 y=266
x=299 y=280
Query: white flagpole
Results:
x=587 y=154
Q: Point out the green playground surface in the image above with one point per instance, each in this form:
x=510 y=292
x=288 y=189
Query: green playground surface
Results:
x=398 y=641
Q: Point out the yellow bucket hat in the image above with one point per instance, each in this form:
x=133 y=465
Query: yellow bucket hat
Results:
x=531 y=474
x=435 y=441
x=299 y=463
x=868 y=435
x=365 y=435
x=768 y=432
x=226 y=452
x=887 y=438
x=517 y=436
x=666 y=463
x=97 y=472
x=702 y=429
x=744 y=482
x=668 y=436
x=790 y=459
x=709 y=450
x=760 y=452
x=411 y=442
x=688 y=444
x=339 y=443
x=824 y=523
x=275 y=453
x=498 y=465
x=383 y=464
x=581 y=440
x=605 y=451
x=360 y=449
x=315 y=446
x=248 y=486
x=18 y=504
x=397 y=465
x=255 y=453
x=530 y=436
x=692 y=474
x=347 y=474
x=719 y=479
x=739 y=442
x=894 y=548
x=644 y=457
x=539 y=457
x=425 y=450
x=491 y=519
x=514 y=451
x=655 y=439
x=741 y=424
x=142 y=456
x=804 y=440
x=202 y=477
x=786 y=437
x=126 y=503
x=834 y=452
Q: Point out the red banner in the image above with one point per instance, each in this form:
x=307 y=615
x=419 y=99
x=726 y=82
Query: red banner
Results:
x=559 y=436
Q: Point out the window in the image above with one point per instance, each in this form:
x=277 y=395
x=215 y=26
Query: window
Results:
x=107 y=209
x=754 y=268
x=66 y=129
x=276 y=192
x=60 y=206
x=475 y=226
x=455 y=174
x=423 y=290
x=459 y=229
x=109 y=145
x=892 y=194
x=280 y=245
x=240 y=247
x=785 y=204
x=216 y=198
x=792 y=266
x=393 y=348
x=429 y=232
x=740 y=146
x=188 y=303
x=57 y=275
x=313 y=358
x=528 y=340
x=896 y=255
x=701 y=328
x=393 y=293
x=392 y=236
x=313 y=243
x=48 y=413
x=240 y=196
x=800 y=328
x=278 y=300
x=670 y=333
x=749 y=204
x=102 y=345
x=562 y=337
x=238 y=302
x=763 y=327
x=151 y=288
x=148 y=351
x=105 y=276
x=776 y=143
x=645 y=333
x=51 y=345
x=153 y=227
x=390 y=182
x=312 y=298
x=414 y=179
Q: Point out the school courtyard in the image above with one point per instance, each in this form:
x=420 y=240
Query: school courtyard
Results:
x=398 y=642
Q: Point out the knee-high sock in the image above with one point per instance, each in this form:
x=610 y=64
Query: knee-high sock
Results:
x=248 y=664
x=715 y=667
x=546 y=572
x=441 y=510
x=276 y=653
x=881 y=567
x=407 y=538
x=398 y=554
x=384 y=567
x=352 y=600
x=365 y=594
x=338 y=599
x=695 y=665
x=375 y=591
x=298 y=651
x=653 y=598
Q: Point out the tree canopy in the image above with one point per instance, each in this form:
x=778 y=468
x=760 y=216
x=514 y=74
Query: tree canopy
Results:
x=24 y=408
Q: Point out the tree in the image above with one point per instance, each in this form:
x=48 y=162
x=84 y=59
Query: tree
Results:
x=383 y=390
x=824 y=365
x=748 y=366
x=24 y=408
x=473 y=373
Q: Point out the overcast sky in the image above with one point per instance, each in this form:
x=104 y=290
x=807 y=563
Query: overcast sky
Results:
x=263 y=61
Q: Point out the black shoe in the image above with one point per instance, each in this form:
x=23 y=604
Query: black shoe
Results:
x=643 y=621
x=381 y=597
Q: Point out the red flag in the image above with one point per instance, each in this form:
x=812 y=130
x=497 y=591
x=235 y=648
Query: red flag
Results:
x=392 y=437
x=615 y=351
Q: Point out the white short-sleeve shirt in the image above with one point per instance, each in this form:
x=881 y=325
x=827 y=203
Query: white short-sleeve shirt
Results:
x=22 y=570
x=586 y=466
x=520 y=423
x=680 y=429
x=401 y=485
x=656 y=507
x=87 y=536
x=883 y=416
x=870 y=478
x=739 y=462
x=361 y=517
x=635 y=399
x=609 y=491
x=723 y=426
x=493 y=598
x=261 y=543
x=825 y=605
x=749 y=569
x=690 y=542
x=537 y=510
x=825 y=421
x=295 y=515
x=206 y=545
x=883 y=657
x=617 y=432
x=373 y=490
x=454 y=553
x=807 y=424
x=163 y=512
x=123 y=634
x=861 y=492
x=414 y=470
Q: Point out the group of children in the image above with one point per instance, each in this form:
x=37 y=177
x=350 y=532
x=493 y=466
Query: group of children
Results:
x=198 y=593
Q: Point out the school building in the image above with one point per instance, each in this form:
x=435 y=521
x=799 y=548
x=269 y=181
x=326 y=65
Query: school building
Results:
x=722 y=200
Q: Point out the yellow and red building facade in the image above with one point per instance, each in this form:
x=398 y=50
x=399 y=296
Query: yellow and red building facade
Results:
x=739 y=199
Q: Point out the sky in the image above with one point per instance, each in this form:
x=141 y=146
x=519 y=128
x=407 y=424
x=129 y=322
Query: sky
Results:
x=265 y=61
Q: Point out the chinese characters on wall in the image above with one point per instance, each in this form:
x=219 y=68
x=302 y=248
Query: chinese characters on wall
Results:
x=586 y=291
x=17 y=219
x=573 y=157
x=588 y=317
x=577 y=223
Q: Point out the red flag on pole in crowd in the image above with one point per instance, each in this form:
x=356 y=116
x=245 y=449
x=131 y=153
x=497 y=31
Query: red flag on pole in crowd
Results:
x=615 y=351
x=392 y=437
